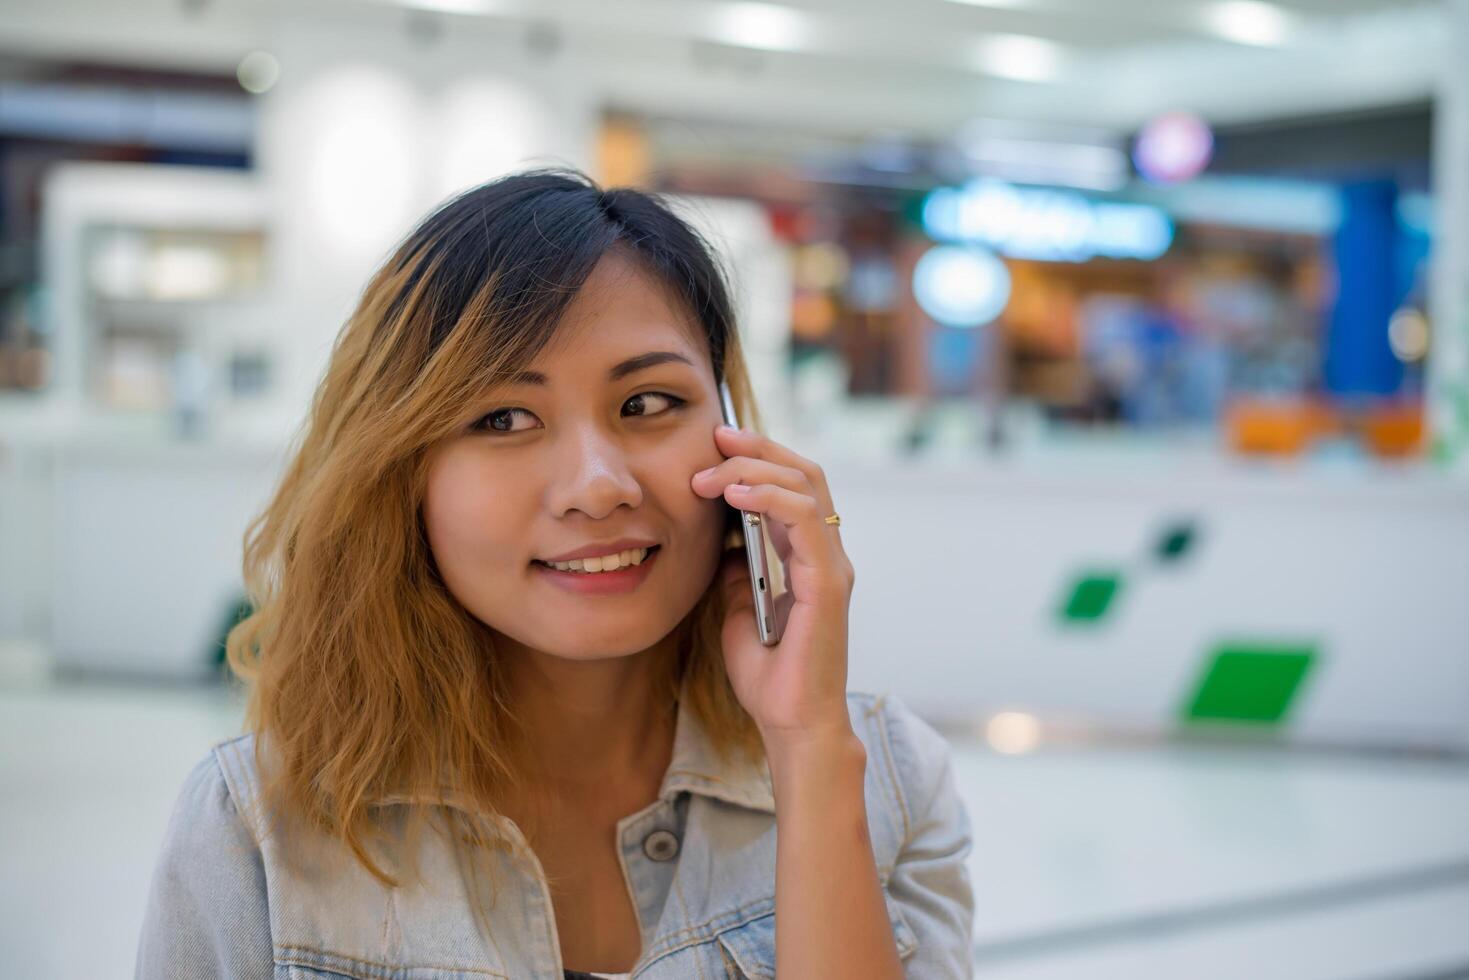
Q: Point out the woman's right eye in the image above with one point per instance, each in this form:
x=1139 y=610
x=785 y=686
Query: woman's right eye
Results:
x=500 y=420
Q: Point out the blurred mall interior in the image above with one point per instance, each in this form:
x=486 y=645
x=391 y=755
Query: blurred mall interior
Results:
x=1133 y=337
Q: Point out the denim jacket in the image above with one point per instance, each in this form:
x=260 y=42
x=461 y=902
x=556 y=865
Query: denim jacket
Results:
x=230 y=901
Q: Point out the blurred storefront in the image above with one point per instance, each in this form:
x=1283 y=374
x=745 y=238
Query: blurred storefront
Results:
x=1172 y=381
x=1187 y=414
x=1244 y=306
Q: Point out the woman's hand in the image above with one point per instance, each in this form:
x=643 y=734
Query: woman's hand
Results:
x=796 y=690
x=827 y=890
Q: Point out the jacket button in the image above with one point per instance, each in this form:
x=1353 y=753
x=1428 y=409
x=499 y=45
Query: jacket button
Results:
x=660 y=845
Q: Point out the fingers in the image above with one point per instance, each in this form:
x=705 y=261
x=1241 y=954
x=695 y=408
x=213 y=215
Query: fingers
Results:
x=811 y=545
x=745 y=442
x=743 y=469
x=763 y=476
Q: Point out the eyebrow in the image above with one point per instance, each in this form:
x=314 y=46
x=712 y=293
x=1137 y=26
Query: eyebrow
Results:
x=618 y=371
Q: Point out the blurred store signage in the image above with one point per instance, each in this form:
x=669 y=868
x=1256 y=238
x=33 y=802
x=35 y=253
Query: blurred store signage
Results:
x=122 y=115
x=1269 y=204
x=1045 y=224
x=1086 y=158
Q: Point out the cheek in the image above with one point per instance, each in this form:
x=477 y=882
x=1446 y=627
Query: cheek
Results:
x=463 y=511
x=701 y=518
x=692 y=450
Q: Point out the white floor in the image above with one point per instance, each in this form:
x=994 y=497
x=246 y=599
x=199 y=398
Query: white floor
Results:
x=1096 y=863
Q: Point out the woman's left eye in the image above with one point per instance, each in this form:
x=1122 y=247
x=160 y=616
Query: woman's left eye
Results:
x=673 y=400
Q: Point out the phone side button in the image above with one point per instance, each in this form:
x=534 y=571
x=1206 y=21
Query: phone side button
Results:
x=752 y=519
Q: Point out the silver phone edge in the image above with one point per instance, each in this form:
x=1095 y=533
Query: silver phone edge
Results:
x=755 y=553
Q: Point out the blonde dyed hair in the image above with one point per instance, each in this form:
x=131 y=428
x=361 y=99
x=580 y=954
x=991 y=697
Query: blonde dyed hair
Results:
x=367 y=680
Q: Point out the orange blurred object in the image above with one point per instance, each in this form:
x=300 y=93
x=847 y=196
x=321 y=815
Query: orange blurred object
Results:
x=813 y=315
x=1285 y=427
x=1393 y=429
x=1274 y=428
x=624 y=155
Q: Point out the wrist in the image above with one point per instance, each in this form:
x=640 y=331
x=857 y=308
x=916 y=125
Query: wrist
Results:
x=827 y=753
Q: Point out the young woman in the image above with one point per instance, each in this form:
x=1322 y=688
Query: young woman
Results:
x=509 y=712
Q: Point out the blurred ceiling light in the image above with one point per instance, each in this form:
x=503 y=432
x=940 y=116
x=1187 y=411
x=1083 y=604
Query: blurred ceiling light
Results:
x=767 y=26
x=258 y=72
x=1013 y=732
x=489 y=128
x=997 y=4
x=1017 y=56
x=357 y=133
x=1407 y=333
x=1248 y=22
x=1173 y=147
x=961 y=286
x=456 y=6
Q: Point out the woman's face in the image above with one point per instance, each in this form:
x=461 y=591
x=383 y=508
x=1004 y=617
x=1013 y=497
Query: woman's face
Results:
x=586 y=459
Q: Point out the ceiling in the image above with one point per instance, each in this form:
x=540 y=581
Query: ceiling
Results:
x=843 y=68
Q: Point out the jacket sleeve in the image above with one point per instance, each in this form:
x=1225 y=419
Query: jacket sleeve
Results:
x=930 y=880
x=206 y=917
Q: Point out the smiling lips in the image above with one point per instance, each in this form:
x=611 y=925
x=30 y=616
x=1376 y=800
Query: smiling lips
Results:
x=624 y=578
x=601 y=563
x=598 y=549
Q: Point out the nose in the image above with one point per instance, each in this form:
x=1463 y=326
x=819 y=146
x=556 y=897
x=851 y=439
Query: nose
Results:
x=593 y=474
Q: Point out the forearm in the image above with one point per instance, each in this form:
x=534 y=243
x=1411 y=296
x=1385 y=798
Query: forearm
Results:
x=830 y=916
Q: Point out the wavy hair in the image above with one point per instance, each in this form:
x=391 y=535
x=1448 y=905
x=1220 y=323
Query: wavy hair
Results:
x=367 y=680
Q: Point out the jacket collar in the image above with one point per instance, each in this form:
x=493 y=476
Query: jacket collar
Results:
x=695 y=766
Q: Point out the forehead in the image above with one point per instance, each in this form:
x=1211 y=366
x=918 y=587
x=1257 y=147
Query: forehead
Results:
x=621 y=310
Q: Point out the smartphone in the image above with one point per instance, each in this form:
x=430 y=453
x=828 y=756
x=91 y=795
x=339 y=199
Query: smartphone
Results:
x=767 y=570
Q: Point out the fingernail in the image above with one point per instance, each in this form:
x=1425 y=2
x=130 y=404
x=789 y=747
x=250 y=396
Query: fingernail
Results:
x=729 y=428
x=737 y=488
x=703 y=473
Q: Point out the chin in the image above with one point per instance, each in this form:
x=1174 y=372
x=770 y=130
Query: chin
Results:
x=600 y=641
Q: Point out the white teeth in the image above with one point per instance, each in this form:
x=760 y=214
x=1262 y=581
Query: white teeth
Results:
x=605 y=563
